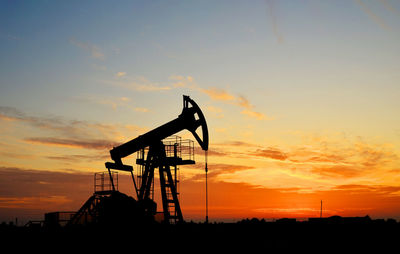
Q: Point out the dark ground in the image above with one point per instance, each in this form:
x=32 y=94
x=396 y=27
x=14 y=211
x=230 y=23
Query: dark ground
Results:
x=330 y=235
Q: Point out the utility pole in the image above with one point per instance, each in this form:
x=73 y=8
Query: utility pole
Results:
x=320 y=212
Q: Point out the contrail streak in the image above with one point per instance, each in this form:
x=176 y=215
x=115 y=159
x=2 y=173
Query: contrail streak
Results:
x=389 y=7
x=372 y=15
x=271 y=13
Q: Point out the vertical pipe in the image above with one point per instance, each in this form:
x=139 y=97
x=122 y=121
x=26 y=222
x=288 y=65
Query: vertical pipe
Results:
x=175 y=167
x=111 y=179
x=206 y=169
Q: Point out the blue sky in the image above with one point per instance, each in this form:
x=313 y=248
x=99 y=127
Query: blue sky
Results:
x=52 y=50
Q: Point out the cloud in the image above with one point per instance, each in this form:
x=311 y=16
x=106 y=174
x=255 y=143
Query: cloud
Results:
x=7 y=118
x=60 y=126
x=149 y=87
x=230 y=150
x=241 y=101
x=216 y=169
x=73 y=143
x=274 y=23
x=372 y=15
x=248 y=108
x=237 y=143
x=59 y=131
x=24 y=202
x=373 y=155
x=95 y=51
x=140 y=84
x=178 y=81
x=271 y=153
x=143 y=110
x=347 y=159
x=218 y=94
x=79 y=157
x=11 y=113
x=253 y=114
x=52 y=123
x=31 y=192
x=389 y=7
x=113 y=102
x=317 y=163
x=23 y=182
x=120 y=74
x=387 y=191
x=337 y=171
x=211 y=152
x=182 y=81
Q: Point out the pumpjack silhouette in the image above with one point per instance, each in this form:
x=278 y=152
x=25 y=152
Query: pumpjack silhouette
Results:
x=157 y=148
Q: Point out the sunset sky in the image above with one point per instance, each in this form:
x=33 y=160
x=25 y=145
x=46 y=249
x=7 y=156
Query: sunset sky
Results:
x=302 y=101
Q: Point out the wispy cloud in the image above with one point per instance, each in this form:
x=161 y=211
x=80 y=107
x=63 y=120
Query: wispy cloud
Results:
x=241 y=101
x=95 y=51
x=271 y=12
x=272 y=153
x=319 y=163
x=149 y=87
x=143 y=110
x=73 y=158
x=97 y=144
x=38 y=189
x=49 y=123
x=67 y=130
x=372 y=15
x=237 y=143
x=337 y=171
x=253 y=114
x=32 y=202
x=249 y=109
x=120 y=74
x=216 y=169
x=212 y=152
x=389 y=7
x=182 y=81
x=218 y=94
x=142 y=84
x=113 y=102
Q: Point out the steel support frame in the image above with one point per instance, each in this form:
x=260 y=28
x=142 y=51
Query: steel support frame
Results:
x=156 y=158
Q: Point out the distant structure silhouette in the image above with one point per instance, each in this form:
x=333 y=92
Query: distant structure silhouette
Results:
x=320 y=212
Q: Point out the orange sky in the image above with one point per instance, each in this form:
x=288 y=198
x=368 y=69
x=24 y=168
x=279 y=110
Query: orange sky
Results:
x=351 y=176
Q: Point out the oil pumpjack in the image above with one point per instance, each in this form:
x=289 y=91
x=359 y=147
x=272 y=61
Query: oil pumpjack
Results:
x=154 y=150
